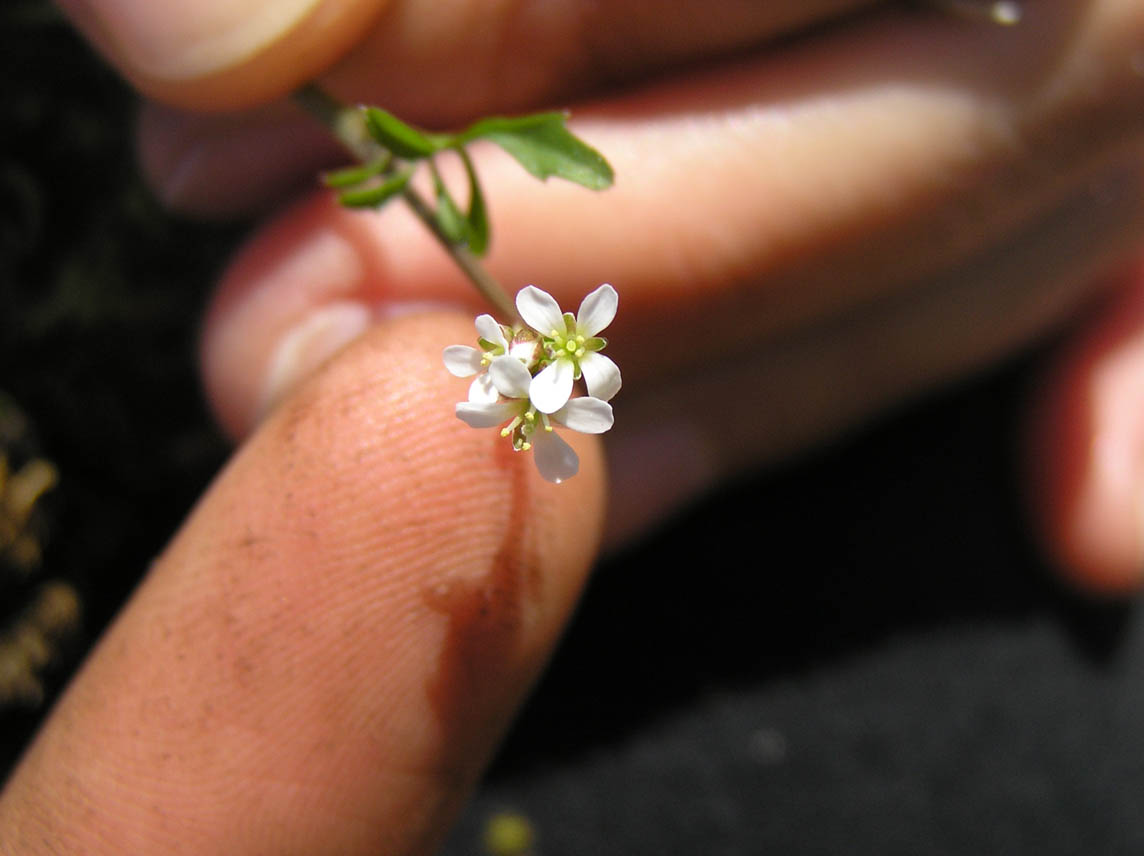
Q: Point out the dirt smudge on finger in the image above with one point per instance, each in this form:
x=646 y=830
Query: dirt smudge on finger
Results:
x=487 y=616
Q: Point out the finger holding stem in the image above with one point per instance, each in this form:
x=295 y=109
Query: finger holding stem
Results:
x=348 y=127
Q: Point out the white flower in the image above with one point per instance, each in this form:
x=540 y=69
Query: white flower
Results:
x=530 y=429
x=463 y=361
x=524 y=376
x=572 y=348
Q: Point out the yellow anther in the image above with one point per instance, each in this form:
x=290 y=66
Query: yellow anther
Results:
x=524 y=447
x=580 y=353
x=580 y=339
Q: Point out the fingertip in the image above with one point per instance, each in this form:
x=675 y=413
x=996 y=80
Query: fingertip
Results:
x=308 y=284
x=217 y=55
x=327 y=653
x=227 y=167
x=1086 y=450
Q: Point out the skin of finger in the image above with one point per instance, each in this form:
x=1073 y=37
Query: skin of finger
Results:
x=200 y=166
x=785 y=394
x=441 y=69
x=486 y=55
x=263 y=72
x=1085 y=456
x=979 y=102
x=426 y=61
x=325 y=655
x=811 y=205
x=794 y=393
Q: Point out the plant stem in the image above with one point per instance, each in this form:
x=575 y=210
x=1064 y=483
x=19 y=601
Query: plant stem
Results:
x=348 y=127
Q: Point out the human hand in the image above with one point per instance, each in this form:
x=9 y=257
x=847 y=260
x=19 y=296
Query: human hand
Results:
x=324 y=657
x=802 y=236
x=824 y=350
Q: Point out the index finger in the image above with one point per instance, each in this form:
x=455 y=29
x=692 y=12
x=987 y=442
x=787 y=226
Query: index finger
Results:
x=229 y=54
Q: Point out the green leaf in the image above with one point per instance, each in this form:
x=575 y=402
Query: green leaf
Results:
x=355 y=175
x=449 y=217
x=375 y=197
x=403 y=140
x=478 y=217
x=544 y=146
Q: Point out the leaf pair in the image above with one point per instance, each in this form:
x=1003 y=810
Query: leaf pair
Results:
x=363 y=191
x=541 y=143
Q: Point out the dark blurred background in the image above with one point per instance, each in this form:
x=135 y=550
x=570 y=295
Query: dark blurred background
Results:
x=100 y=292
x=857 y=653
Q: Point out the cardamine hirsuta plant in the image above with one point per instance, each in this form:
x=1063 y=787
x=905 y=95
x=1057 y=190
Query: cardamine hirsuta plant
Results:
x=525 y=375
x=525 y=366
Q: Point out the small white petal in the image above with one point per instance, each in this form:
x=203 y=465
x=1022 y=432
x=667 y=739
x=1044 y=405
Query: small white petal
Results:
x=486 y=415
x=597 y=311
x=586 y=415
x=510 y=376
x=601 y=375
x=482 y=390
x=551 y=389
x=540 y=311
x=554 y=458
x=461 y=360
x=489 y=330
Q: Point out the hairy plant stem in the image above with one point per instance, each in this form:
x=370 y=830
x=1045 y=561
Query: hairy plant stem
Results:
x=348 y=127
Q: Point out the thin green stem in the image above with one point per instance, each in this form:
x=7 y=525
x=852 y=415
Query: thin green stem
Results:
x=348 y=127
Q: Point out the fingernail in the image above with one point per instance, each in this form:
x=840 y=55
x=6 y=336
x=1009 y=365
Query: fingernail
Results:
x=227 y=166
x=183 y=41
x=324 y=332
x=301 y=350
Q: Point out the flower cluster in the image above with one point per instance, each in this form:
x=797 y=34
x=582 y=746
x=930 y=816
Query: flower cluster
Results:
x=524 y=376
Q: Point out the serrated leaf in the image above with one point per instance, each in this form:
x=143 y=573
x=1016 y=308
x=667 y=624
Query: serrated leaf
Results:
x=403 y=140
x=355 y=175
x=478 y=216
x=544 y=146
x=375 y=197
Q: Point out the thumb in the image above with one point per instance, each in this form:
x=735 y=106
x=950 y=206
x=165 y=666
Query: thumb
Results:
x=222 y=54
x=325 y=656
